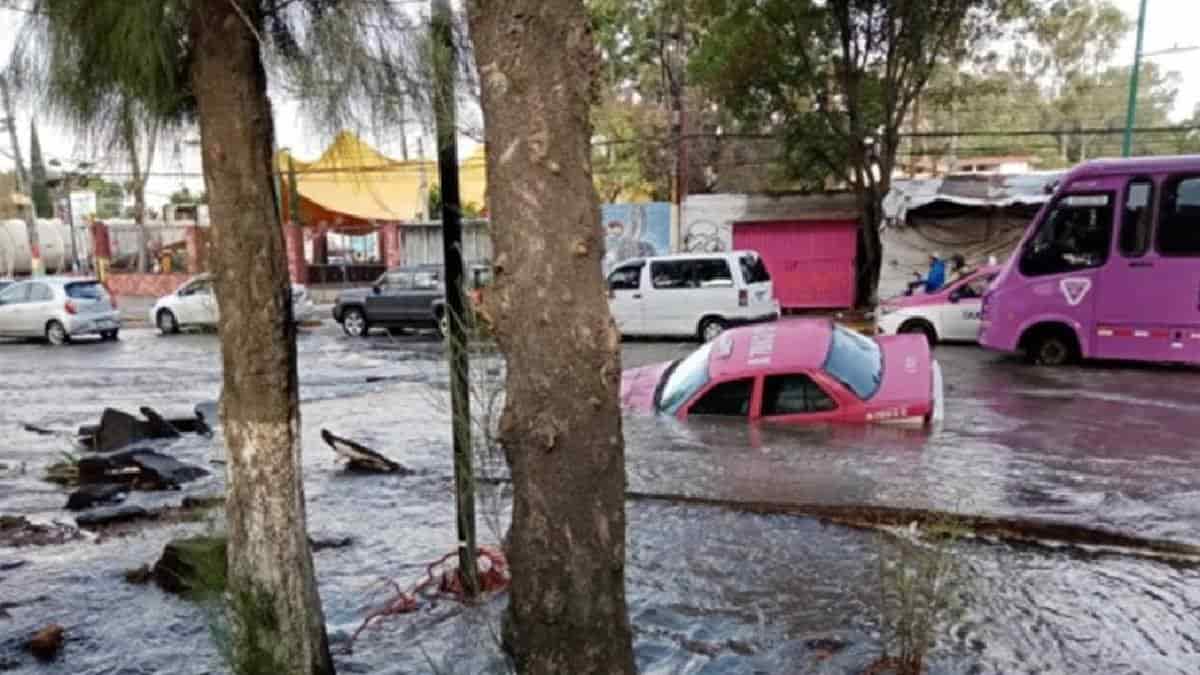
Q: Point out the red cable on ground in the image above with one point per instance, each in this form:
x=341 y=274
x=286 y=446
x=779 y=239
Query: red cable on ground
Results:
x=494 y=577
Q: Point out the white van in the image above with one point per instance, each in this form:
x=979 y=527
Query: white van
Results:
x=691 y=294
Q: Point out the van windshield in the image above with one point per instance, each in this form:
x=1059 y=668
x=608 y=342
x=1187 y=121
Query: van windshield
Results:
x=689 y=376
x=856 y=361
x=754 y=270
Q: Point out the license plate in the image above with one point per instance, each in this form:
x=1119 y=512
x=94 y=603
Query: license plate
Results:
x=106 y=324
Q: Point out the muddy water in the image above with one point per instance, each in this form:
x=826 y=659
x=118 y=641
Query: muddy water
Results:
x=711 y=591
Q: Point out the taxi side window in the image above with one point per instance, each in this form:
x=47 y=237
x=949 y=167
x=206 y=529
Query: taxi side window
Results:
x=794 y=394
x=728 y=399
x=976 y=287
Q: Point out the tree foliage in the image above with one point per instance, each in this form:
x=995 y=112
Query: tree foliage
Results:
x=836 y=80
x=42 y=204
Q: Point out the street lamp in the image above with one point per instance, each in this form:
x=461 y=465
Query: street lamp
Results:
x=63 y=185
x=1131 y=109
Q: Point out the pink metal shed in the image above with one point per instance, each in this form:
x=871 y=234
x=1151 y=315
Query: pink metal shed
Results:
x=811 y=261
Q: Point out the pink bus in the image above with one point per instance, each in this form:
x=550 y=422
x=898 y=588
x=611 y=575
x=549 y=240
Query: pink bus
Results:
x=1109 y=269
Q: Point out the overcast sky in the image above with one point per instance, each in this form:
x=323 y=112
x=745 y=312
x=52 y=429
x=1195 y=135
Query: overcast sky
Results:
x=1169 y=23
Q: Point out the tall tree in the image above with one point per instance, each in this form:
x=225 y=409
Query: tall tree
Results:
x=567 y=612
x=204 y=59
x=42 y=204
x=837 y=79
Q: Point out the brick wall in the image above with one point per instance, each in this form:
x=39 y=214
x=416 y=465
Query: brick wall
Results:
x=145 y=285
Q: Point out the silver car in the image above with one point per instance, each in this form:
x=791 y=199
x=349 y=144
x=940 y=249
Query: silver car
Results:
x=58 y=309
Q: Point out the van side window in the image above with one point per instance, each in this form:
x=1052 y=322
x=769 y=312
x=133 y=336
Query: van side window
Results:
x=795 y=394
x=713 y=272
x=1179 y=219
x=669 y=274
x=728 y=399
x=753 y=269
x=1135 y=220
x=627 y=278
x=1076 y=234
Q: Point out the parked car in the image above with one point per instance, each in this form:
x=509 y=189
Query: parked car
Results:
x=691 y=294
x=58 y=309
x=796 y=372
x=1108 y=269
x=404 y=297
x=949 y=315
x=194 y=304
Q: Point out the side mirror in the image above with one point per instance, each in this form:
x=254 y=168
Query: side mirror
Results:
x=376 y=290
x=955 y=296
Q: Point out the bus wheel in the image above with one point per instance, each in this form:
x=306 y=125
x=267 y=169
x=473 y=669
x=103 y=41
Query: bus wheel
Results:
x=1053 y=348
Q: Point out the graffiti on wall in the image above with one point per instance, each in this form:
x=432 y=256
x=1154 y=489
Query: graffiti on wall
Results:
x=707 y=236
x=635 y=231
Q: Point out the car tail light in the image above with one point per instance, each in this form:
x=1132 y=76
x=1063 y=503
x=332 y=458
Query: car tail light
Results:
x=743 y=298
x=71 y=308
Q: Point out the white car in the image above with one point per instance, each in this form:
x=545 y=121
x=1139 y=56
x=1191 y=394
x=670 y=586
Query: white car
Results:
x=949 y=315
x=194 y=304
x=58 y=309
x=691 y=294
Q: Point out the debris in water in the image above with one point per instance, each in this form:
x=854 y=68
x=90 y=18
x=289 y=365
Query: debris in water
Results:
x=111 y=515
x=17 y=531
x=88 y=496
x=193 y=564
x=361 y=458
x=334 y=542
x=118 y=429
x=141 y=468
x=46 y=643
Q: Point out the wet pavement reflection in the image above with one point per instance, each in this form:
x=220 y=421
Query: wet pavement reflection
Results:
x=711 y=590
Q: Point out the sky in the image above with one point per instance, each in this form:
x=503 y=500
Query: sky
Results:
x=1169 y=23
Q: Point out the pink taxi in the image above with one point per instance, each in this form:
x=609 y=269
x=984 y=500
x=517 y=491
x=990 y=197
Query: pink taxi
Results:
x=949 y=315
x=796 y=372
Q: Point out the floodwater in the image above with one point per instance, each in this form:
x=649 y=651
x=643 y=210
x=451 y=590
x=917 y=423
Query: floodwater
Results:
x=711 y=590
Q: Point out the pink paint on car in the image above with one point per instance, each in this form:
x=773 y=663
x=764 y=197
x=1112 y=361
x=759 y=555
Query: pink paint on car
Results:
x=800 y=371
x=1109 y=269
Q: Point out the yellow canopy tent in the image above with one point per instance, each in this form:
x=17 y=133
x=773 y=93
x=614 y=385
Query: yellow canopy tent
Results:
x=353 y=186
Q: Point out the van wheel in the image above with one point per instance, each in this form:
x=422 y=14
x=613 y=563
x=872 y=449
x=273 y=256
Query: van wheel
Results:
x=922 y=328
x=1052 y=348
x=710 y=328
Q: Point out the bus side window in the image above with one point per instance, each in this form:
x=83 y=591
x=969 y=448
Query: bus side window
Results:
x=1076 y=234
x=1136 y=218
x=1179 y=218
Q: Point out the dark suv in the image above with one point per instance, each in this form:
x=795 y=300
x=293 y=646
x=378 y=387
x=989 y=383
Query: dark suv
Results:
x=404 y=297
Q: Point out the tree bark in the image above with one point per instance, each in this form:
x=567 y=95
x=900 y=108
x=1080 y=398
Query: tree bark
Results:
x=275 y=611
x=561 y=427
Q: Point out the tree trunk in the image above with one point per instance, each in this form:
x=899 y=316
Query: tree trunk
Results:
x=567 y=611
x=870 y=249
x=275 y=611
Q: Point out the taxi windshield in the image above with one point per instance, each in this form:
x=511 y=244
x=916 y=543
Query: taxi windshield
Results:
x=856 y=361
x=688 y=376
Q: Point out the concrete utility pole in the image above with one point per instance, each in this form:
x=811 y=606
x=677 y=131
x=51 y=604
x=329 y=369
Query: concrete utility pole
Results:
x=24 y=184
x=1131 y=110
x=445 y=64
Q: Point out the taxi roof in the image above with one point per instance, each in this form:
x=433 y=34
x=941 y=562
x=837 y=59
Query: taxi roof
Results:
x=791 y=345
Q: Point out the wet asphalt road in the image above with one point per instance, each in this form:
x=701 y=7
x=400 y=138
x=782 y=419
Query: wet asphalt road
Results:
x=710 y=591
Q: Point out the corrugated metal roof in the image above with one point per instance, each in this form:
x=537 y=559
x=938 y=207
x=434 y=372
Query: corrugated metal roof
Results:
x=979 y=189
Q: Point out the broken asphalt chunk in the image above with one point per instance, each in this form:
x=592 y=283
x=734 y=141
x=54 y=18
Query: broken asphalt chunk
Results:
x=361 y=458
